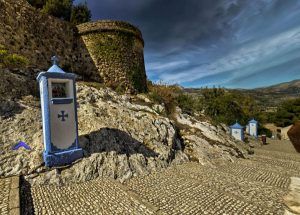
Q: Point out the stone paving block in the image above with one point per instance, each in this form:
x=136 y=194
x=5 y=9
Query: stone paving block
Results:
x=14 y=199
x=14 y=211
x=253 y=186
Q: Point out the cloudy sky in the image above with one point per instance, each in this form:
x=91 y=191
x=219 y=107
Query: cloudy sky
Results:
x=231 y=43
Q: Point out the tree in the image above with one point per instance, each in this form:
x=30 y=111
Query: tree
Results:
x=59 y=8
x=288 y=113
x=80 y=14
x=37 y=3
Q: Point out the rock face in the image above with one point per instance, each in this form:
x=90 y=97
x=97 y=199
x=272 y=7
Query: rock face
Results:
x=205 y=142
x=120 y=138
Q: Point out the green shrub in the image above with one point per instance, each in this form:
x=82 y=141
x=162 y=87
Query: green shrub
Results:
x=64 y=9
x=80 y=14
x=59 y=8
x=288 y=112
x=37 y=3
x=164 y=93
x=15 y=60
x=187 y=103
x=8 y=60
x=263 y=130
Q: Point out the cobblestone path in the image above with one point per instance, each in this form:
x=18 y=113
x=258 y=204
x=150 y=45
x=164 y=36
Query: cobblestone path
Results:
x=247 y=186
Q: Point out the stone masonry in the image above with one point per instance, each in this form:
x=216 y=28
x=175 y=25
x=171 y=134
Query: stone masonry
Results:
x=117 y=50
x=109 y=51
x=26 y=31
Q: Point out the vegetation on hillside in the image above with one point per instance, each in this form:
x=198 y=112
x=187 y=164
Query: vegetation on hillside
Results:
x=64 y=9
x=221 y=105
x=80 y=14
x=287 y=113
x=11 y=60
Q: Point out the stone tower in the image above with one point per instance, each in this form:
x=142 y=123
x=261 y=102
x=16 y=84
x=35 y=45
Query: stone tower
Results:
x=117 y=49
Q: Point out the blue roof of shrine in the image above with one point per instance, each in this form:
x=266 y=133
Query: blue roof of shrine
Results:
x=55 y=67
x=55 y=71
x=236 y=126
x=253 y=121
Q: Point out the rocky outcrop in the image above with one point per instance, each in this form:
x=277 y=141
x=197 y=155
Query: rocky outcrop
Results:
x=205 y=142
x=121 y=138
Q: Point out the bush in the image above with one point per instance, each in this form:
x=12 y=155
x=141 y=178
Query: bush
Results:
x=187 y=103
x=166 y=94
x=11 y=60
x=263 y=130
x=37 y=3
x=80 y=14
x=64 y=9
x=15 y=60
x=59 y=8
x=288 y=113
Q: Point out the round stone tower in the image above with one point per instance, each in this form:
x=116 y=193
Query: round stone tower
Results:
x=117 y=49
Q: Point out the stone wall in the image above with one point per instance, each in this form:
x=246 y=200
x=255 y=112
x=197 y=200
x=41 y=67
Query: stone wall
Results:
x=117 y=49
x=106 y=51
x=25 y=30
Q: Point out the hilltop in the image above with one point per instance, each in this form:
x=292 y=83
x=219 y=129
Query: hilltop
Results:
x=266 y=97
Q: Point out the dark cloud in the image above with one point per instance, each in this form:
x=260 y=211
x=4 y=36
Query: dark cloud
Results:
x=202 y=42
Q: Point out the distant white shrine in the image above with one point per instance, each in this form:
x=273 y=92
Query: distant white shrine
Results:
x=237 y=131
x=253 y=126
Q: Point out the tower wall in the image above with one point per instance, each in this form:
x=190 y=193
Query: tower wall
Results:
x=117 y=49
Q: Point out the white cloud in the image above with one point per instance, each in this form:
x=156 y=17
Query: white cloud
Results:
x=256 y=55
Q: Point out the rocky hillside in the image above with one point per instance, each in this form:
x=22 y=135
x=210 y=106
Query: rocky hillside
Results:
x=121 y=138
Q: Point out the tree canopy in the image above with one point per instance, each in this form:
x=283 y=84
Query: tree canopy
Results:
x=59 y=8
x=64 y=9
x=80 y=14
x=288 y=112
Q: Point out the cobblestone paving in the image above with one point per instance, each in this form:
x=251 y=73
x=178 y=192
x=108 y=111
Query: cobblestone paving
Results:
x=254 y=186
x=247 y=186
x=4 y=195
x=94 y=197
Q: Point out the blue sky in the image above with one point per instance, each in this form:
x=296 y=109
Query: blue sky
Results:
x=230 y=43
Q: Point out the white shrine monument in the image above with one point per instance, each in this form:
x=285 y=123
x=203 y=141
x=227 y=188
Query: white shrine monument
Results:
x=237 y=131
x=253 y=126
x=59 y=114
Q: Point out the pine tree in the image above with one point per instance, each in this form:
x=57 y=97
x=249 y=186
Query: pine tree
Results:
x=59 y=8
x=80 y=14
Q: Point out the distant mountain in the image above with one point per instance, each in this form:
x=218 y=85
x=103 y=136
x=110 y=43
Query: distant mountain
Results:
x=270 y=96
x=273 y=95
x=289 y=88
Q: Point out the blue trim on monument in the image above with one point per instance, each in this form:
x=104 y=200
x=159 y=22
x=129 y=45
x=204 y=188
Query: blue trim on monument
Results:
x=59 y=101
x=62 y=158
x=75 y=107
x=56 y=75
x=47 y=129
x=55 y=149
